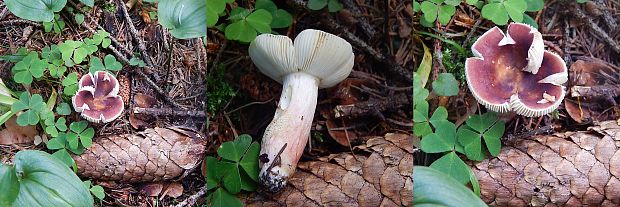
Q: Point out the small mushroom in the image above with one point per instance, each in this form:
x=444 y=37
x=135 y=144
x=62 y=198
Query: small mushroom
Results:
x=316 y=60
x=97 y=97
x=513 y=72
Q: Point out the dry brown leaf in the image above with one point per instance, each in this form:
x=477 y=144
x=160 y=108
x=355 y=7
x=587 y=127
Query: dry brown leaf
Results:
x=144 y=101
x=15 y=134
x=381 y=179
x=152 y=155
x=152 y=189
x=173 y=190
x=564 y=169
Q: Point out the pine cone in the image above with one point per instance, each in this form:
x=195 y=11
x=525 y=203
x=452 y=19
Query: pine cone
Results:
x=153 y=155
x=565 y=169
x=124 y=88
x=381 y=179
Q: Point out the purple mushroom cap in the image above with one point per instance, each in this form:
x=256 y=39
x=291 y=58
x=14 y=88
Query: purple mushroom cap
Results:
x=97 y=97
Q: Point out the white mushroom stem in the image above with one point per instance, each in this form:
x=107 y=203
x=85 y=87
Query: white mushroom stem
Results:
x=287 y=134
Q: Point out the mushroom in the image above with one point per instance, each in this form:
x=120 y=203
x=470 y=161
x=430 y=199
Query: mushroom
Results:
x=316 y=60
x=97 y=97
x=513 y=72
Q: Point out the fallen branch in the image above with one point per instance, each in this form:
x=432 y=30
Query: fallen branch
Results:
x=370 y=107
x=169 y=112
x=598 y=91
x=596 y=29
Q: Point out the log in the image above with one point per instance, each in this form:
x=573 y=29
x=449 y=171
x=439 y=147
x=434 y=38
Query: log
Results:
x=149 y=156
x=564 y=169
x=379 y=174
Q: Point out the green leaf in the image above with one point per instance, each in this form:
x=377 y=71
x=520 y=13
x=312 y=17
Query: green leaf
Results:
x=471 y=142
x=64 y=156
x=55 y=143
x=70 y=84
x=35 y=10
x=98 y=192
x=529 y=20
x=440 y=114
x=61 y=124
x=430 y=10
x=515 y=9
x=420 y=114
x=29 y=117
x=63 y=109
x=234 y=150
x=212 y=179
x=72 y=139
x=222 y=198
x=111 y=63
x=230 y=176
x=281 y=19
x=79 y=18
x=446 y=85
x=445 y=13
x=453 y=2
x=185 y=19
x=260 y=20
x=9 y=186
x=53 y=183
x=241 y=31
x=247 y=183
x=78 y=127
x=435 y=188
x=452 y=165
x=214 y=8
x=424 y=70
x=334 y=6
x=317 y=4
x=86 y=137
x=95 y=65
x=89 y=3
x=249 y=162
x=492 y=138
x=496 y=13
x=266 y=5
x=535 y=5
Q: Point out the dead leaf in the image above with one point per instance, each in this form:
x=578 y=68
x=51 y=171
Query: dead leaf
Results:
x=152 y=189
x=144 y=101
x=136 y=122
x=338 y=133
x=173 y=190
x=15 y=134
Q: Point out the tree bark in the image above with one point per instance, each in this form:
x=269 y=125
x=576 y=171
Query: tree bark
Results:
x=564 y=169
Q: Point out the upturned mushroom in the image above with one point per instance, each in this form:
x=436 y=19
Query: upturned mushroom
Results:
x=97 y=98
x=316 y=60
x=513 y=72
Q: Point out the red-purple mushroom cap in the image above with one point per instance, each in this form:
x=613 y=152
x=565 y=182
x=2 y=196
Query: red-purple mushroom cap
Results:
x=97 y=97
x=513 y=72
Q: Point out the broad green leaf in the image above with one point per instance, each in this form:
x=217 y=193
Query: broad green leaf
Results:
x=452 y=165
x=446 y=85
x=249 y=162
x=222 y=198
x=35 y=10
x=496 y=13
x=98 y=192
x=440 y=114
x=435 y=188
x=53 y=183
x=9 y=185
x=185 y=19
x=260 y=20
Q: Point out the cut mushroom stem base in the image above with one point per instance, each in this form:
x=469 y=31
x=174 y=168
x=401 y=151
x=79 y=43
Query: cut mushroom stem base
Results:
x=286 y=136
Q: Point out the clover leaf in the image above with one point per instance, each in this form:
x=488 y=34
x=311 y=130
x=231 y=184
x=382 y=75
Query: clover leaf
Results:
x=439 y=10
x=110 y=64
x=281 y=18
x=500 y=12
x=332 y=5
x=247 y=24
x=32 y=106
x=75 y=52
x=421 y=125
x=70 y=84
x=443 y=140
x=446 y=85
x=63 y=109
x=238 y=169
x=452 y=165
x=79 y=131
x=28 y=68
x=477 y=128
